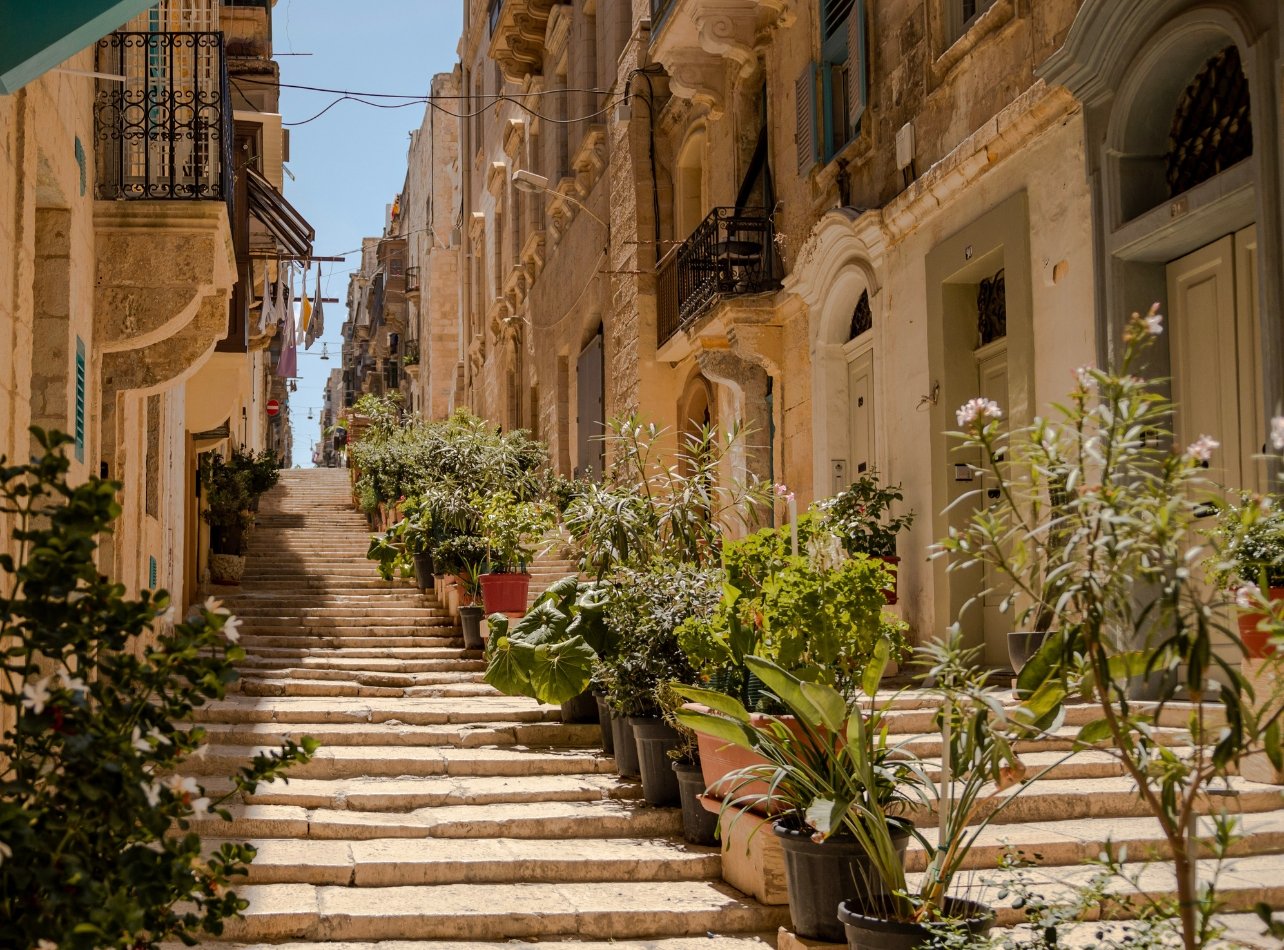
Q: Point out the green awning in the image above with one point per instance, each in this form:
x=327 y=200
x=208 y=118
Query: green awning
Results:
x=37 y=35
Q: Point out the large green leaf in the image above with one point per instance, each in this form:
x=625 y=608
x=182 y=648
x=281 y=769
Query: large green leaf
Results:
x=561 y=671
x=829 y=703
x=874 y=670
x=503 y=669
x=723 y=703
x=1046 y=663
x=719 y=727
x=789 y=689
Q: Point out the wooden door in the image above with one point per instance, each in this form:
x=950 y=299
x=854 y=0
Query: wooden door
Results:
x=860 y=413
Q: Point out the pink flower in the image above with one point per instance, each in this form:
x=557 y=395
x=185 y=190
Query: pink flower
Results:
x=978 y=409
x=1277 y=432
x=1247 y=595
x=1201 y=450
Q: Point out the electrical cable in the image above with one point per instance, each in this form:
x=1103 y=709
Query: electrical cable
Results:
x=420 y=96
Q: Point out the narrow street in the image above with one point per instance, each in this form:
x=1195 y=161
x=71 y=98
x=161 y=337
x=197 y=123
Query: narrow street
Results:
x=436 y=808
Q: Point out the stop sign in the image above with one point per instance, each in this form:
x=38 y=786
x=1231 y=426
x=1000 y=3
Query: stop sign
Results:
x=273 y=407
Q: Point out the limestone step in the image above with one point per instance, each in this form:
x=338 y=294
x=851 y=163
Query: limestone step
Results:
x=365 y=677
x=275 y=686
x=708 y=941
x=356 y=760
x=491 y=912
x=311 y=650
x=545 y=820
x=342 y=665
x=365 y=793
x=402 y=612
x=385 y=862
x=388 y=734
x=355 y=620
x=357 y=638
x=490 y=707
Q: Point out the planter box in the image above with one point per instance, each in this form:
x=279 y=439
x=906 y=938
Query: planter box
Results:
x=752 y=858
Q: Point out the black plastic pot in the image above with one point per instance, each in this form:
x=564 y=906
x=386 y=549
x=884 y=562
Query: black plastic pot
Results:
x=604 y=720
x=470 y=619
x=821 y=876
x=655 y=738
x=583 y=708
x=626 y=749
x=876 y=933
x=1023 y=644
x=423 y=571
x=699 y=825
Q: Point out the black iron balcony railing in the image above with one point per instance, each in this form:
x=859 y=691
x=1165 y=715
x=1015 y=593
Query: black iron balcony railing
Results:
x=412 y=280
x=492 y=15
x=732 y=252
x=166 y=130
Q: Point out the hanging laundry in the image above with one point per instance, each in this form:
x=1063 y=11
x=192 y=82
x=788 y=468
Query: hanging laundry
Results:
x=288 y=364
x=316 y=326
x=305 y=309
x=267 y=310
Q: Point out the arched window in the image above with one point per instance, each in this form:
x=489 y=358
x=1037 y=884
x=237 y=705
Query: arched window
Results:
x=862 y=317
x=1212 y=129
x=690 y=205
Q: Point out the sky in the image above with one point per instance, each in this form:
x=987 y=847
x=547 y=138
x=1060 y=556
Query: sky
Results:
x=349 y=164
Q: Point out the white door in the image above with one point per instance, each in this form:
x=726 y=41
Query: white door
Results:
x=860 y=412
x=992 y=383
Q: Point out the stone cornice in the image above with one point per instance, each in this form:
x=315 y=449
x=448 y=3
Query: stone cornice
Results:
x=518 y=42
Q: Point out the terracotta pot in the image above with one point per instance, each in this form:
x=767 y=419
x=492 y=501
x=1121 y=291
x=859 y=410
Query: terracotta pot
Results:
x=893 y=562
x=719 y=758
x=505 y=593
x=1257 y=642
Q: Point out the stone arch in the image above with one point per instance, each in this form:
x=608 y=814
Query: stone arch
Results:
x=834 y=269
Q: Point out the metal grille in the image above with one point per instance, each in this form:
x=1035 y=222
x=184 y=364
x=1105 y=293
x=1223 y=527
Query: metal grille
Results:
x=731 y=253
x=80 y=400
x=862 y=317
x=992 y=309
x=835 y=16
x=165 y=132
x=1212 y=129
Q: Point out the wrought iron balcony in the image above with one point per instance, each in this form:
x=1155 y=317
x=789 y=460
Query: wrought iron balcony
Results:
x=659 y=10
x=412 y=280
x=166 y=130
x=731 y=253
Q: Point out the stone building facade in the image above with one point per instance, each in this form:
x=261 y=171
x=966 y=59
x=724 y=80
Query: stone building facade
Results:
x=131 y=261
x=837 y=220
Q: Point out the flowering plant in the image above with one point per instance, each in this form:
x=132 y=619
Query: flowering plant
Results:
x=96 y=844
x=1096 y=528
x=860 y=515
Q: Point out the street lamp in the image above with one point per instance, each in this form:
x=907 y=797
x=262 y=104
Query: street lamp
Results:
x=531 y=183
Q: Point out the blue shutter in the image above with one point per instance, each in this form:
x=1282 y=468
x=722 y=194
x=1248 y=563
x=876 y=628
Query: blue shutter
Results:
x=80 y=400
x=151 y=573
x=857 y=66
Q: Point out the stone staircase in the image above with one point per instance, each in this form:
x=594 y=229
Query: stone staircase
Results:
x=439 y=810
x=436 y=809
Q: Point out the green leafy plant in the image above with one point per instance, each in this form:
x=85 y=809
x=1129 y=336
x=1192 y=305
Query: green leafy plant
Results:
x=512 y=529
x=1133 y=617
x=1251 y=540
x=860 y=516
x=95 y=816
x=550 y=653
x=228 y=497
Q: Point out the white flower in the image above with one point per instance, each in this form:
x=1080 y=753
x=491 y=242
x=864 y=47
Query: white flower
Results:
x=45 y=945
x=1201 y=450
x=201 y=806
x=1247 y=595
x=36 y=695
x=184 y=786
x=73 y=684
x=1277 y=432
x=137 y=740
x=232 y=629
x=215 y=606
x=981 y=409
x=75 y=596
x=151 y=791
x=170 y=615
x=156 y=736
x=1084 y=374
x=6 y=852
x=1153 y=322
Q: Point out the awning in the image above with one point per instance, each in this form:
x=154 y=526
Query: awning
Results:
x=288 y=229
x=36 y=37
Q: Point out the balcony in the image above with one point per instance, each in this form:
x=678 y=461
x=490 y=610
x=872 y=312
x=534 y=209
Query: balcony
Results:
x=517 y=36
x=412 y=280
x=166 y=131
x=732 y=253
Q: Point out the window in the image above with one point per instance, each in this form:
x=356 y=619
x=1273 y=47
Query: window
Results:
x=831 y=94
x=963 y=13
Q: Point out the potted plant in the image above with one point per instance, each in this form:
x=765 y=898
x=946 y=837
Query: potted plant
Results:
x=644 y=610
x=471 y=613
x=829 y=752
x=226 y=488
x=512 y=530
x=263 y=472
x=860 y=516
x=549 y=654
x=1252 y=548
x=699 y=824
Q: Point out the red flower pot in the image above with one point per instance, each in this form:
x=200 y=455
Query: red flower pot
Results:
x=1257 y=642
x=505 y=593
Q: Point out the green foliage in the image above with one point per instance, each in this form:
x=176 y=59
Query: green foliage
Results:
x=512 y=529
x=651 y=510
x=1098 y=528
x=95 y=830
x=262 y=471
x=460 y=555
x=1252 y=541
x=860 y=516
x=644 y=612
x=820 y=612
x=549 y=654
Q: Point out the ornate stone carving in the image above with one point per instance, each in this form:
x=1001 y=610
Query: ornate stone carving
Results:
x=517 y=43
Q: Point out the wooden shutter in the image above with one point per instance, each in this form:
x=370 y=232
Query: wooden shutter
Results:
x=857 y=66
x=805 y=132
